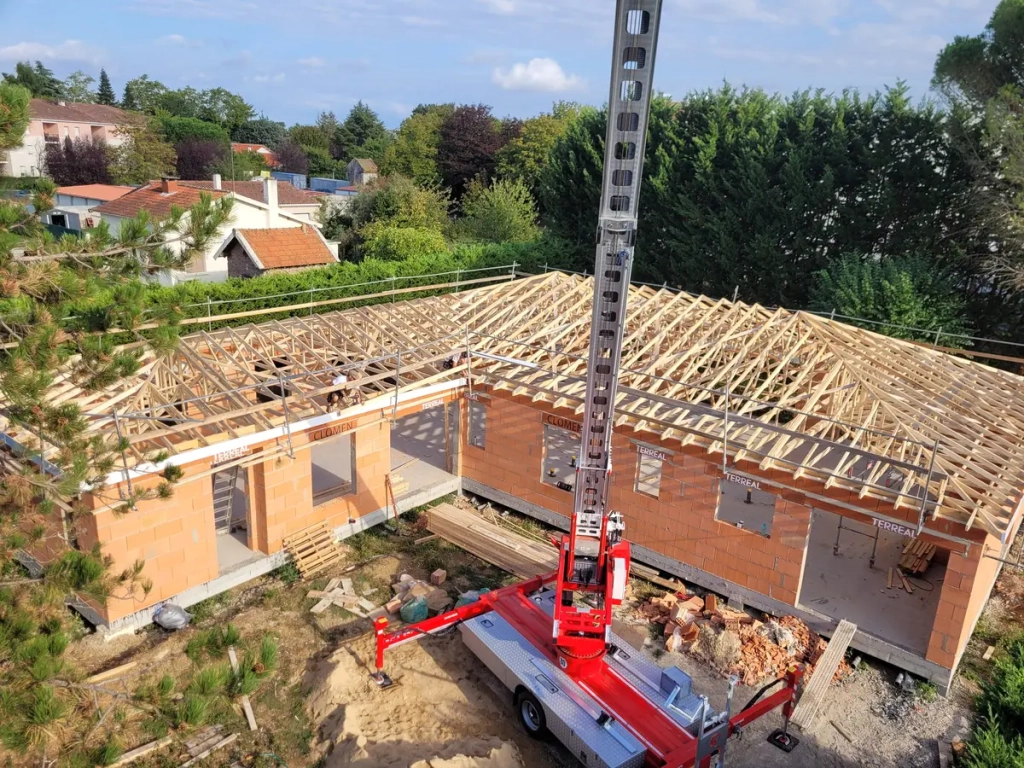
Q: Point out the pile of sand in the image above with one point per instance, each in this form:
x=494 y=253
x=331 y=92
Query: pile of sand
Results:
x=443 y=712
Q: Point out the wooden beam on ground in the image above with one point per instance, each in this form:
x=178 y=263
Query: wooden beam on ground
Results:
x=825 y=670
x=145 y=749
x=207 y=752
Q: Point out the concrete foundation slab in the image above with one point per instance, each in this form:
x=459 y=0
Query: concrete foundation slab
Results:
x=843 y=585
x=420 y=436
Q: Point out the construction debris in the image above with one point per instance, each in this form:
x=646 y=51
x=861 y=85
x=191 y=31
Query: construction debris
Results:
x=437 y=577
x=734 y=641
x=206 y=741
x=341 y=592
x=145 y=749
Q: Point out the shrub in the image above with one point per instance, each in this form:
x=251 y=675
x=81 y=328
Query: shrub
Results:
x=400 y=243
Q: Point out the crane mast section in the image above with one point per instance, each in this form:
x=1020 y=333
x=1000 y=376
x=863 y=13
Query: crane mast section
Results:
x=629 y=105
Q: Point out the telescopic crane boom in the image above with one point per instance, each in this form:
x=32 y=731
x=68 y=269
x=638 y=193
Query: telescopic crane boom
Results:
x=593 y=558
x=569 y=675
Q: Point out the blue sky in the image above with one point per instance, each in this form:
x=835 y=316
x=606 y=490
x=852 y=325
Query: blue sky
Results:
x=293 y=58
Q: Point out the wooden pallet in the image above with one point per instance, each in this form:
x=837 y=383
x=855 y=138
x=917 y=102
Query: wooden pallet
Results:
x=510 y=551
x=917 y=556
x=824 y=672
x=313 y=549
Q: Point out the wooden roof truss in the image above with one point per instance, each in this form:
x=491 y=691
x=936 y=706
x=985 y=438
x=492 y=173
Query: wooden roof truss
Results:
x=793 y=392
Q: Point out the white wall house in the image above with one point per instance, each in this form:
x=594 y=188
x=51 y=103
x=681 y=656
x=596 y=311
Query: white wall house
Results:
x=72 y=206
x=158 y=197
x=53 y=121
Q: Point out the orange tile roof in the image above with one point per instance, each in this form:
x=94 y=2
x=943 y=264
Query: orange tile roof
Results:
x=75 y=112
x=286 y=248
x=151 y=198
x=104 y=192
x=262 y=150
x=286 y=193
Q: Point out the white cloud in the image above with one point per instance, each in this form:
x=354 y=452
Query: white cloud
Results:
x=537 y=75
x=313 y=62
x=176 y=39
x=278 y=78
x=69 y=50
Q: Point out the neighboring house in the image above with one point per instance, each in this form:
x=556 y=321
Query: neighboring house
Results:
x=266 y=153
x=253 y=252
x=72 y=206
x=300 y=203
x=53 y=121
x=362 y=171
x=158 y=197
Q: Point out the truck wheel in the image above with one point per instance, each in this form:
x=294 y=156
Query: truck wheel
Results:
x=531 y=714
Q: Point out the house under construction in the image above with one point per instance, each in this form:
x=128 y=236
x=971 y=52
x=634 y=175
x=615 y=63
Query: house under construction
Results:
x=775 y=457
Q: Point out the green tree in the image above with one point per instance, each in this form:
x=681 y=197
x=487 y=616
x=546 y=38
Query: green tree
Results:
x=184 y=103
x=261 y=130
x=414 y=150
x=240 y=165
x=470 y=139
x=976 y=68
x=321 y=164
x=392 y=202
x=128 y=100
x=40 y=81
x=502 y=212
x=178 y=129
x=14 y=114
x=143 y=94
x=144 y=154
x=105 y=93
x=42 y=511
x=227 y=109
x=901 y=296
x=77 y=87
x=360 y=133
x=526 y=156
x=309 y=136
x=392 y=243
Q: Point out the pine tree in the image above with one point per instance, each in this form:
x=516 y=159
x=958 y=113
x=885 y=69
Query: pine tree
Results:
x=105 y=94
x=128 y=101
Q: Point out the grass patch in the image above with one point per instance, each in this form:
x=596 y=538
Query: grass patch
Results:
x=926 y=691
x=997 y=741
x=209 y=607
x=287 y=573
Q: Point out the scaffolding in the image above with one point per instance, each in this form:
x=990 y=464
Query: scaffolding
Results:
x=789 y=392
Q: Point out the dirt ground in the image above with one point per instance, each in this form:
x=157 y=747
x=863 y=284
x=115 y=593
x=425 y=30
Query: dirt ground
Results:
x=448 y=711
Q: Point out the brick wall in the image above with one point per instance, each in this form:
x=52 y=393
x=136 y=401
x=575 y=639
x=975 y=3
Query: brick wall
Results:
x=285 y=489
x=174 y=537
x=965 y=590
x=679 y=524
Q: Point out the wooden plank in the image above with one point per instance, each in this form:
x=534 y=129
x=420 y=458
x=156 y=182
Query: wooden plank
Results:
x=110 y=674
x=346 y=587
x=206 y=753
x=988 y=653
x=249 y=716
x=820 y=681
x=888 y=580
x=145 y=749
x=906 y=584
x=323 y=605
x=203 y=735
x=424 y=539
x=332 y=585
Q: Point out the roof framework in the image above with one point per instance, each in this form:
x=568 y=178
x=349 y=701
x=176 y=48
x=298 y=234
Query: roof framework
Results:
x=816 y=399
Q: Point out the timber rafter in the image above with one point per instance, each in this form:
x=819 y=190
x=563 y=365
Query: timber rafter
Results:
x=793 y=392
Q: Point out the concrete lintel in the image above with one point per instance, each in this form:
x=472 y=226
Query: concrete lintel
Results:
x=260 y=567
x=869 y=644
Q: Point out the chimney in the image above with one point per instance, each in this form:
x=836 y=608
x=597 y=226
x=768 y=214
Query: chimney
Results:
x=168 y=184
x=270 y=198
x=216 y=182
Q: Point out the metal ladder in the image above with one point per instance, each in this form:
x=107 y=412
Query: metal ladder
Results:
x=225 y=483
